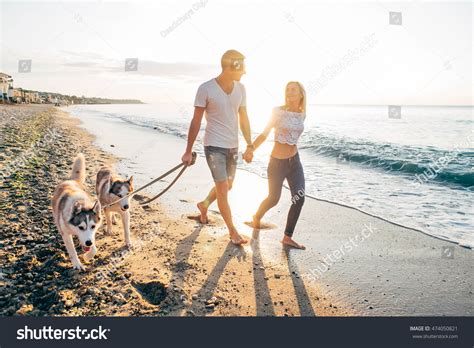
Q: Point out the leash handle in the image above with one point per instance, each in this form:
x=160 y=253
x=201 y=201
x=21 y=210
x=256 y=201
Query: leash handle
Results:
x=194 y=157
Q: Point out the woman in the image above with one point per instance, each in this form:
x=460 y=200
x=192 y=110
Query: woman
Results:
x=288 y=124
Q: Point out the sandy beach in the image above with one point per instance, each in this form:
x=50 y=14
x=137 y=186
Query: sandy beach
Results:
x=355 y=264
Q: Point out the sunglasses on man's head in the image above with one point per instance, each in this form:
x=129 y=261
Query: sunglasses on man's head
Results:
x=238 y=65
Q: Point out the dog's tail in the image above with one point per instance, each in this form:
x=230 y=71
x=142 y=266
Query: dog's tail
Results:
x=78 y=172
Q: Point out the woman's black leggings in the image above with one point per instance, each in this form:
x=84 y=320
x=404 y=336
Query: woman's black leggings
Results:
x=279 y=170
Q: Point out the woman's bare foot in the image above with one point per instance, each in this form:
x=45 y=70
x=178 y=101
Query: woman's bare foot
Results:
x=291 y=243
x=203 y=209
x=236 y=238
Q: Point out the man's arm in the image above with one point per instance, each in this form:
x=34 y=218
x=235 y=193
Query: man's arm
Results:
x=193 y=132
x=245 y=124
x=245 y=129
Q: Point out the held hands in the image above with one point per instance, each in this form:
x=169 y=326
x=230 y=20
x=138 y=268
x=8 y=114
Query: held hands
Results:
x=248 y=155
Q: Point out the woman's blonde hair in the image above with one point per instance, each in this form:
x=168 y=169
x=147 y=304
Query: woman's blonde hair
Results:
x=302 y=106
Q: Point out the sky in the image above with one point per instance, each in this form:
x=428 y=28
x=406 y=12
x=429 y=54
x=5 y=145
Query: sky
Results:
x=342 y=52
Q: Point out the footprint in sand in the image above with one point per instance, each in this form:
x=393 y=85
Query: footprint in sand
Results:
x=197 y=217
x=153 y=292
x=263 y=225
x=139 y=198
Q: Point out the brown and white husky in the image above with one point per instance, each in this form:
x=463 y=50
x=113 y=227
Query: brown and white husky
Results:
x=76 y=213
x=111 y=188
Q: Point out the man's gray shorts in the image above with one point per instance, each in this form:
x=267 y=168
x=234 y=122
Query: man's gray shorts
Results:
x=222 y=162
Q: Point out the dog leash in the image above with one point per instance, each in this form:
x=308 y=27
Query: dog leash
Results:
x=184 y=165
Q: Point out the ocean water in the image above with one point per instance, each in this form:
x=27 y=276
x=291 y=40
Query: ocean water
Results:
x=415 y=170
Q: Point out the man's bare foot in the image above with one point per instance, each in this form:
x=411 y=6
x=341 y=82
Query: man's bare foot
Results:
x=236 y=238
x=202 y=208
x=291 y=243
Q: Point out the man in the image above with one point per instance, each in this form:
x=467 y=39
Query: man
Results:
x=223 y=99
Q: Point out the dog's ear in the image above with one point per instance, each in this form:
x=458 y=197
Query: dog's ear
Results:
x=130 y=181
x=96 y=208
x=77 y=208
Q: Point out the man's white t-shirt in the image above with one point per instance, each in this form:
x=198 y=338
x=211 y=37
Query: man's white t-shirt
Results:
x=222 y=113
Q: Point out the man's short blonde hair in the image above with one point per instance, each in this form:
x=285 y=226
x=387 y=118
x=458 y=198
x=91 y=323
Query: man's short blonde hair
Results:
x=230 y=56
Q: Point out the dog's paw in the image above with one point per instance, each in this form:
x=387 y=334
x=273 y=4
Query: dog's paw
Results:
x=129 y=246
x=79 y=266
x=108 y=232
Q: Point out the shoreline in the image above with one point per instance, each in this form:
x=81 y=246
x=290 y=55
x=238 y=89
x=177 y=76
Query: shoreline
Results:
x=181 y=268
x=390 y=221
x=369 y=214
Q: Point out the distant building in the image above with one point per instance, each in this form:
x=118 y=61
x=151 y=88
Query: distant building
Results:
x=32 y=97
x=6 y=83
x=16 y=95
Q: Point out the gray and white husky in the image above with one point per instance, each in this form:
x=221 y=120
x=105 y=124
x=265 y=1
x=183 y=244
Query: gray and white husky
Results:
x=76 y=213
x=111 y=188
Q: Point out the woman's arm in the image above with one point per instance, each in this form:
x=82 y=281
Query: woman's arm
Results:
x=264 y=135
x=259 y=140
